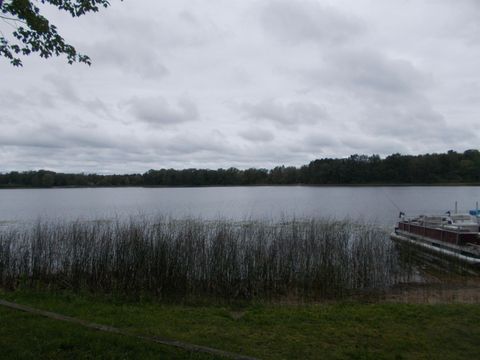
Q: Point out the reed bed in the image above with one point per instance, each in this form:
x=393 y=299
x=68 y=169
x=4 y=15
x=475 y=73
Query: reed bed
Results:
x=192 y=258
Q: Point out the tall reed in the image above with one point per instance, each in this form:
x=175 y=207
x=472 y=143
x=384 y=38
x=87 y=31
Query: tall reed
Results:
x=169 y=258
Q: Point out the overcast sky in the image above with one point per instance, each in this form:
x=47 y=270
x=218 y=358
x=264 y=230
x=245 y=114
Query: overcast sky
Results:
x=223 y=83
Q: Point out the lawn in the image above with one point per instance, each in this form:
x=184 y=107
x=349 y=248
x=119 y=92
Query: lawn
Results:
x=322 y=331
x=26 y=336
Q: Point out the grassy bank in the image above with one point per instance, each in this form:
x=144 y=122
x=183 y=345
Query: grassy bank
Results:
x=26 y=336
x=322 y=331
x=184 y=259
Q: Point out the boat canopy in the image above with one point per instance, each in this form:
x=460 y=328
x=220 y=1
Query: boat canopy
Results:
x=475 y=213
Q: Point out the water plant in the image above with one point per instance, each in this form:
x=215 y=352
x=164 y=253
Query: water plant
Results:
x=169 y=258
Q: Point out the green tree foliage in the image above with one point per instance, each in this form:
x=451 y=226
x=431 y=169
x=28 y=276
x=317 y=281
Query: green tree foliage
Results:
x=33 y=33
x=451 y=167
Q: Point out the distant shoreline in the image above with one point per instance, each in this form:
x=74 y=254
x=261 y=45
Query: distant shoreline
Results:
x=2 y=187
x=448 y=169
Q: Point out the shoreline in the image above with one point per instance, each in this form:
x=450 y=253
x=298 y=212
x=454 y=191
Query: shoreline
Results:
x=379 y=185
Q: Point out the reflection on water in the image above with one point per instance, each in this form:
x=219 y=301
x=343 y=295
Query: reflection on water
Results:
x=372 y=204
x=7 y=223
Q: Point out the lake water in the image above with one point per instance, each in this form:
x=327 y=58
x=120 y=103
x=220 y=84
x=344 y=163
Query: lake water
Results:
x=375 y=204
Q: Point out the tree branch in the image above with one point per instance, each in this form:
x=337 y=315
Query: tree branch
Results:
x=33 y=32
x=12 y=19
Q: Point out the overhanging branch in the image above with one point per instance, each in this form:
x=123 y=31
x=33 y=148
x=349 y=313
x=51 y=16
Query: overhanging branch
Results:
x=11 y=19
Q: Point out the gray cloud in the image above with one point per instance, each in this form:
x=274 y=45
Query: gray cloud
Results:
x=15 y=100
x=421 y=124
x=51 y=135
x=64 y=90
x=246 y=83
x=158 y=112
x=368 y=72
x=256 y=134
x=141 y=60
x=319 y=140
x=194 y=143
x=368 y=144
x=296 y=22
x=145 y=47
x=290 y=115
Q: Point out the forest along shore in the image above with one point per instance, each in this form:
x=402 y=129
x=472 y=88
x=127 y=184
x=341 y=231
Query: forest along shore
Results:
x=440 y=169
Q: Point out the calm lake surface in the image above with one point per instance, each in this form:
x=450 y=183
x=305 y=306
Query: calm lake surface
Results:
x=373 y=204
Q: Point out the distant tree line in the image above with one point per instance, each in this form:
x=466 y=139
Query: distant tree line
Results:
x=450 y=167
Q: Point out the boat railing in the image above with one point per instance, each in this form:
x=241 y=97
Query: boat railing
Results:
x=453 y=236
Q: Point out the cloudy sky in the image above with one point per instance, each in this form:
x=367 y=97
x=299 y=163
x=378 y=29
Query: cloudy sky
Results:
x=220 y=83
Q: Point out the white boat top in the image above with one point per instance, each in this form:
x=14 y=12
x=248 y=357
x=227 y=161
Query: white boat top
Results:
x=459 y=222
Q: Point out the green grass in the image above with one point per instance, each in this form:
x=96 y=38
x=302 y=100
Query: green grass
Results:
x=27 y=336
x=326 y=331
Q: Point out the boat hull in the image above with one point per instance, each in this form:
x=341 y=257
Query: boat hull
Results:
x=453 y=252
